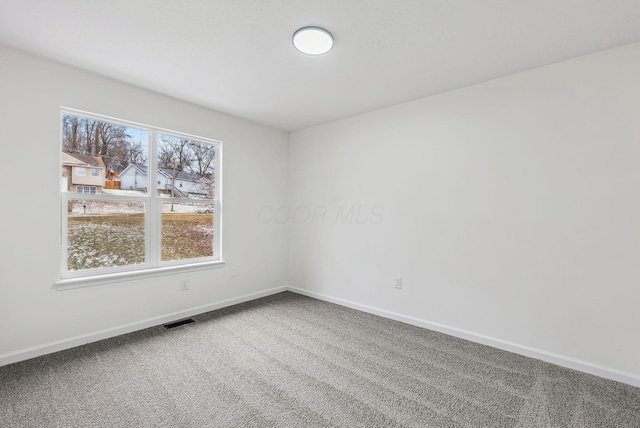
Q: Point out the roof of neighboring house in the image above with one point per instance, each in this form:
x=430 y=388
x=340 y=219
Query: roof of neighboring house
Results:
x=179 y=175
x=138 y=166
x=87 y=160
x=111 y=174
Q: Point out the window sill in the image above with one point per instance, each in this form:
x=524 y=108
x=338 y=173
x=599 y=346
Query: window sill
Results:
x=90 y=281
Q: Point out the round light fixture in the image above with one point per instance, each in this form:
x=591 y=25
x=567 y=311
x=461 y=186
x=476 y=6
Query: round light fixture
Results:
x=313 y=40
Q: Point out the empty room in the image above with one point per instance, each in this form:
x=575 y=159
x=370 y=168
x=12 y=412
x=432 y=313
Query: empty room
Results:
x=290 y=213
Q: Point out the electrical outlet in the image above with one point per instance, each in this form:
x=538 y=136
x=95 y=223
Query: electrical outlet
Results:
x=398 y=282
x=184 y=284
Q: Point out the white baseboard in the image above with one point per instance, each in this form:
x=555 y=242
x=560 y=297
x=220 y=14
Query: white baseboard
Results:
x=47 y=348
x=550 y=357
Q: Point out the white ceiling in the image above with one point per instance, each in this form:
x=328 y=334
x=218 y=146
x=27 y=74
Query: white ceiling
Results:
x=236 y=56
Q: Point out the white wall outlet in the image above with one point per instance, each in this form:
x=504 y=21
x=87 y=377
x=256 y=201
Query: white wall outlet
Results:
x=184 y=284
x=398 y=282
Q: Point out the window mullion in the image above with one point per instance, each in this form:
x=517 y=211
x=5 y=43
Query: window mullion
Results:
x=154 y=205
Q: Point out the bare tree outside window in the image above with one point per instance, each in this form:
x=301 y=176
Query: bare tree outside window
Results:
x=115 y=144
x=187 y=161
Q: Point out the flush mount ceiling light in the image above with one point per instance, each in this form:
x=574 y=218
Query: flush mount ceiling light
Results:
x=313 y=40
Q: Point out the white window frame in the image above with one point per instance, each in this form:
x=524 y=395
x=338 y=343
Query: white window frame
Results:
x=95 y=172
x=80 y=171
x=153 y=265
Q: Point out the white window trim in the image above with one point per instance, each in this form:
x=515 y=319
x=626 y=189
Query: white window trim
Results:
x=152 y=266
x=115 y=277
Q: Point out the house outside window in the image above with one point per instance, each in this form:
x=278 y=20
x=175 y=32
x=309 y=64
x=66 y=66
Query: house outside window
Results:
x=136 y=228
x=80 y=171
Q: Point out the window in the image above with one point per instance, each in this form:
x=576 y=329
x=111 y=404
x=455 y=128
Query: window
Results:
x=135 y=226
x=80 y=171
x=86 y=189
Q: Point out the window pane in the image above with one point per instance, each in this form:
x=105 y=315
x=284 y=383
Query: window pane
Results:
x=116 y=156
x=186 y=168
x=103 y=234
x=187 y=230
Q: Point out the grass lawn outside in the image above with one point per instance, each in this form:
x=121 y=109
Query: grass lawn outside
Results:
x=100 y=241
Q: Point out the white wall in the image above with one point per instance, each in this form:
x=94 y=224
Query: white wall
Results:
x=510 y=208
x=35 y=317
